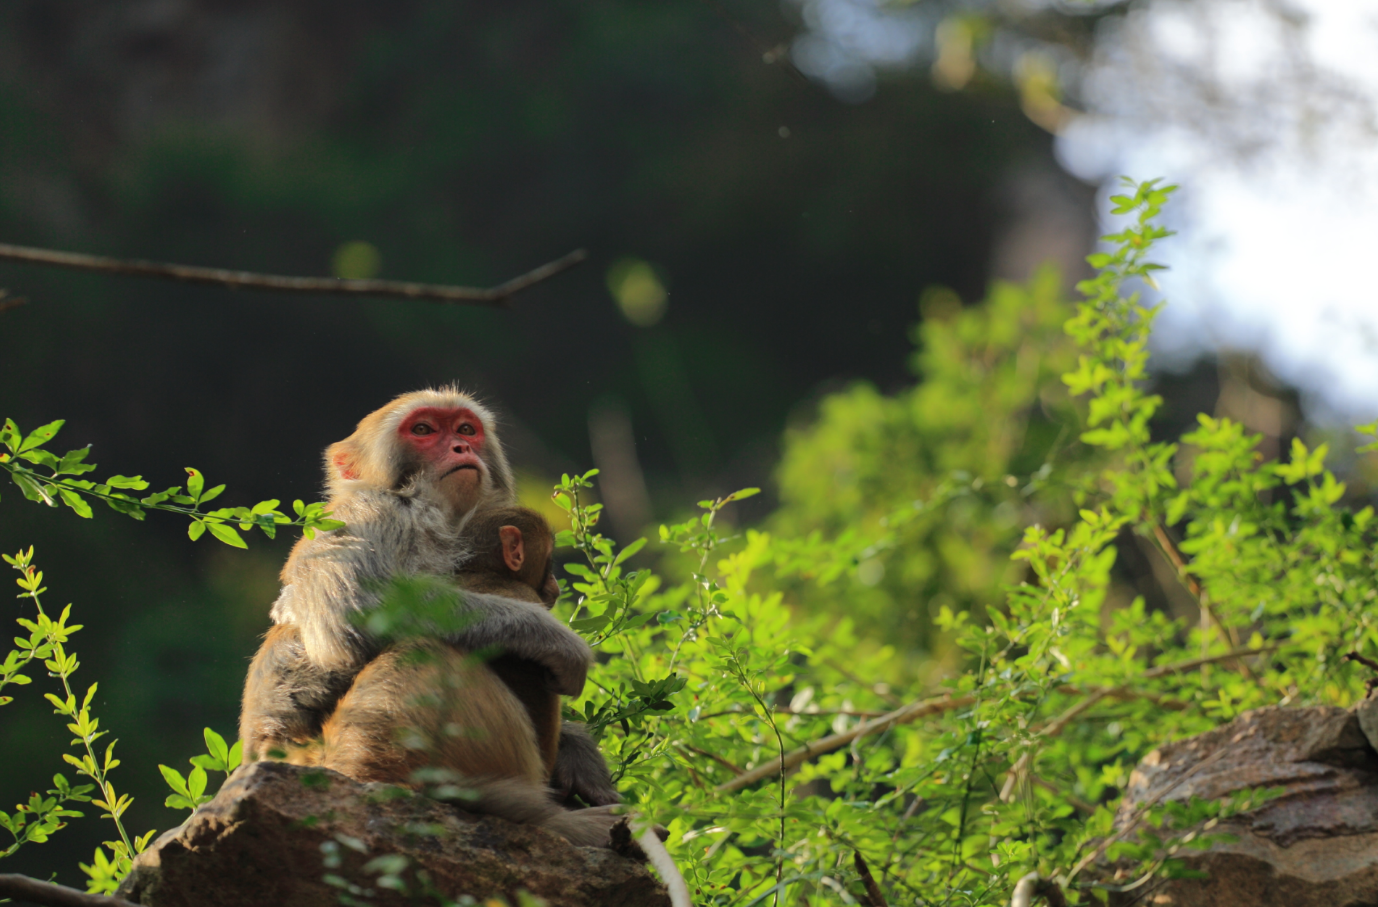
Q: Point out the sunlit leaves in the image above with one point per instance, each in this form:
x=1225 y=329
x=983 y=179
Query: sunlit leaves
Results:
x=58 y=486
x=34 y=823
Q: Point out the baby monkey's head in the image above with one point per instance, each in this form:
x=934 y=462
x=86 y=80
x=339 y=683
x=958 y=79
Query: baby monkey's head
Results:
x=515 y=543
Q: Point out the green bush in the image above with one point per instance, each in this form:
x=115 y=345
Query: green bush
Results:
x=758 y=694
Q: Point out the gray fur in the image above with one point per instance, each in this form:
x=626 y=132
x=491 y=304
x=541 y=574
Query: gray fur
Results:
x=526 y=630
x=580 y=770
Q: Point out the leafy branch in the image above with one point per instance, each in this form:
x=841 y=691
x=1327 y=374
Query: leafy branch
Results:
x=59 y=485
x=48 y=640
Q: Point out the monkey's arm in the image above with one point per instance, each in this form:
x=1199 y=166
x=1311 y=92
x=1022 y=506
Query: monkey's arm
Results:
x=328 y=580
x=526 y=630
x=286 y=698
x=580 y=770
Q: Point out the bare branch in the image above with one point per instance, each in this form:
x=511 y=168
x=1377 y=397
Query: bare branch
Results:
x=1174 y=556
x=925 y=707
x=903 y=715
x=1056 y=726
x=874 y=896
x=716 y=758
x=47 y=894
x=1366 y=662
x=8 y=302
x=249 y=280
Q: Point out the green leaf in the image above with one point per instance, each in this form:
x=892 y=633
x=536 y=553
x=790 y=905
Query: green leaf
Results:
x=236 y=757
x=44 y=458
x=227 y=534
x=629 y=551
x=196 y=530
x=74 y=462
x=75 y=501
x=174 y=780
x=40 y=436
x=195 y=482
x=639 y=620
x=215 y=745
x=10 y=435
x=33 y=490
x=196 y=783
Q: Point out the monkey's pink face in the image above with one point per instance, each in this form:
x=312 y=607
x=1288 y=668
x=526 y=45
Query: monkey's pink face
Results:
x=449 y=442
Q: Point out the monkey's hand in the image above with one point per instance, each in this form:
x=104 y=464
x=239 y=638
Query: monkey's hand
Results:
x=526 y=630
x=580 y=770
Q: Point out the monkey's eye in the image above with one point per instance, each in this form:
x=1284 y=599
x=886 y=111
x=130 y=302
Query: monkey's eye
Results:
x=421 y=428
x=467 y=429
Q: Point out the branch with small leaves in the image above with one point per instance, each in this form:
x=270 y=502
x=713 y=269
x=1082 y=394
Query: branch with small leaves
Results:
x=189 y=792
x=60 y=486
x=47 y=640
x=601 y=581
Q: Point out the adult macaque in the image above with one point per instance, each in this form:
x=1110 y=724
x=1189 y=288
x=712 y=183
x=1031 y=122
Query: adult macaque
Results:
x=405 y=483
x=514 y=556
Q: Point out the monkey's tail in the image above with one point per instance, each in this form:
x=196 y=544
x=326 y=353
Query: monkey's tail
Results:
x=525 y=803
x=669 y=872
x=529 y=804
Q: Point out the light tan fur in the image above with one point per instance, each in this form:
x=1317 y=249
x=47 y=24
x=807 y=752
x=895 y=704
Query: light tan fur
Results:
x=425 y=702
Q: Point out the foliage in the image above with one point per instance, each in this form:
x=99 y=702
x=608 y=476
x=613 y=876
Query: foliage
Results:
x=1018 y=761
x=42 y=816
x=761 y=735
x=35 y=821
x=60 y=484
x=932 y=486
x=190 y=792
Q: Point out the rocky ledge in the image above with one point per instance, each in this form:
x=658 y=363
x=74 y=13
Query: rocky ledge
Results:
x=1316 y=845
x=281 y=834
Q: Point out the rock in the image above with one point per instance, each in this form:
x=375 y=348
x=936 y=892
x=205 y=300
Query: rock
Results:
x=1314 y=846
x=266 y=837
x=1367 y=710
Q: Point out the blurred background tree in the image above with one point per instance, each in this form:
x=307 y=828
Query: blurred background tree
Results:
x=773 y=197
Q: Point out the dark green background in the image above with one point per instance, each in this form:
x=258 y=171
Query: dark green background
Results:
x=468 y=142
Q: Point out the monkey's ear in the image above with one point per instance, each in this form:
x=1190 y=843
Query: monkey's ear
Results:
x=513 y=551
x=342 y=461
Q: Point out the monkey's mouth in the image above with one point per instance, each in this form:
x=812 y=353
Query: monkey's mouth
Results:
x=458 y=468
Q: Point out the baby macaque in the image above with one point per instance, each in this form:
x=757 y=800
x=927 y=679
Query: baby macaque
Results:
x=514 y=556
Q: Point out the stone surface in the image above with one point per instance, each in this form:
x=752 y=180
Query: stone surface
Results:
x=1367 y=710
x=259 y=843
x=1314 y=846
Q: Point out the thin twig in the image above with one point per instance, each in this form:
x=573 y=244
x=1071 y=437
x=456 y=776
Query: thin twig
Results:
x=845 y=672
x=807 y=713
x=49 y=894
x=768 y=55
x=716 y=758
x=874 y=896
x=1372 y=683
x=249 y=280
x=1056 y=726
x=1071 y=800
x=1366 y=662
x=8 y=302
x=1170 y=551
x=903 y=715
